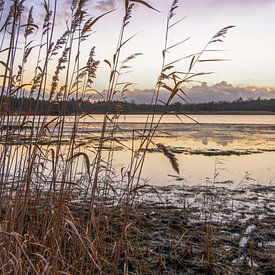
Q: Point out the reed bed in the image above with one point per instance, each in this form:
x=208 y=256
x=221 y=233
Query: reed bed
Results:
x=65 y=208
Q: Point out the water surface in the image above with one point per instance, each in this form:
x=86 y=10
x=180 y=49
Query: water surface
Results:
x=227 y=150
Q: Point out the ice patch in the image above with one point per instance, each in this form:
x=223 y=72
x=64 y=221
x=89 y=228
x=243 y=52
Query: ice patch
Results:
x=272 y=243
x=249 y=229
x=243 y=241
x=252 y=263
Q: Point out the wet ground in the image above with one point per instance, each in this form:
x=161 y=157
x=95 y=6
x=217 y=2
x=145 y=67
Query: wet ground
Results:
x=203 y=230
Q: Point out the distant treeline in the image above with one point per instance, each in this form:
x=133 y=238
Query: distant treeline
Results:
x=32 y=106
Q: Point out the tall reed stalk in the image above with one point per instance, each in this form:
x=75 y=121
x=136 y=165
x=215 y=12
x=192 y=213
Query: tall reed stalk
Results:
x=58 y=189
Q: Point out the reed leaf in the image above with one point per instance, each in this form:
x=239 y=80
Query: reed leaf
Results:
x=91 y=22
x=145 y=4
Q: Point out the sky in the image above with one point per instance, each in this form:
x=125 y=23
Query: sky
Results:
x=248 y=48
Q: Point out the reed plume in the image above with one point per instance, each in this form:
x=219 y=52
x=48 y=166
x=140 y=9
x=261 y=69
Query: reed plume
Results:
x=170 y=155
x=64 y=207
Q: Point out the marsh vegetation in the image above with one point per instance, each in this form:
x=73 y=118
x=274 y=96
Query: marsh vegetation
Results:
x=65 y=208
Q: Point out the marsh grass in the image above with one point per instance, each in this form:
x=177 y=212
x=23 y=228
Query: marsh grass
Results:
x=61 y=211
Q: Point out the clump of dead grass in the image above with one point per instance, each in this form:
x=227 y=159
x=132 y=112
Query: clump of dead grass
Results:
x=55 y=197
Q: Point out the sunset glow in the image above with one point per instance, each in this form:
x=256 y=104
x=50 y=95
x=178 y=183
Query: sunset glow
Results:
x=249 y=47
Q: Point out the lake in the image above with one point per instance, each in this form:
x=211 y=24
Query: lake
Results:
x=227 y=150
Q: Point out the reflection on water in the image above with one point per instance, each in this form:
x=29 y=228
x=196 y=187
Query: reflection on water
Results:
x=216 y=119
x=229 y=150
x=200 y=170
x=226 y=149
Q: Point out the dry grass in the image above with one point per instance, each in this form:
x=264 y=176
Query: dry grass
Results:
x=59 y=201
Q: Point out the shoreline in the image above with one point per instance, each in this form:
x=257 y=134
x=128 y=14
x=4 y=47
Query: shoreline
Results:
x=159 y=113
x=210 y=231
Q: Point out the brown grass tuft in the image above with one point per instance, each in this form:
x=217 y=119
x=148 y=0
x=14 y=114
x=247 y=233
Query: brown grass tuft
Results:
x=171 y=156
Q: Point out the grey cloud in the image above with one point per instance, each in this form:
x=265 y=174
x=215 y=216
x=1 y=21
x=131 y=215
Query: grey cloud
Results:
x=204 y=93
x=238 y=2
x=227 y=91
x=105 y=5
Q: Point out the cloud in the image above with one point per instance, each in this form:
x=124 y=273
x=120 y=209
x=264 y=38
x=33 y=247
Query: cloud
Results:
x=238 y=2
x=227 y=91
x=203 y=93
x=105 y=5
x=238 y=5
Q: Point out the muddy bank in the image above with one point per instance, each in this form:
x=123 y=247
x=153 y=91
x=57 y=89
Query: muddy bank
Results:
x=198 y=230
x=159 y=230
x=177 y=241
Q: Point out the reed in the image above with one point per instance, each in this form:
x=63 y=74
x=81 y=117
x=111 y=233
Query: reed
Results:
x=60 y=193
